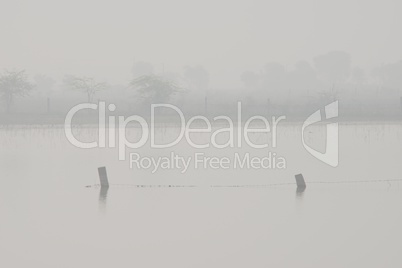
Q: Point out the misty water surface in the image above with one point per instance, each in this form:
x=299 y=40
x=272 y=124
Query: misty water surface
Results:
x=50 y=219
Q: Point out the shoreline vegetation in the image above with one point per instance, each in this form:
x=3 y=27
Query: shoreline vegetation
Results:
x=167 y=120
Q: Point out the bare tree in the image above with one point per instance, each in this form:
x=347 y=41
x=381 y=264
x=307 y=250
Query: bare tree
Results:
x=153 y=88
x=13 y=84
x=85 y=85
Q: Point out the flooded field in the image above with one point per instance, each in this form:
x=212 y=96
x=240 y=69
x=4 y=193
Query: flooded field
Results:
x=348 y=216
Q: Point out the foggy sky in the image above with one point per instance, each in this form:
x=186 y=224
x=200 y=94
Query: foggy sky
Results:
x=103 y=38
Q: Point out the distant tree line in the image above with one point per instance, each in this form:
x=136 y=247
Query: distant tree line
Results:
x=326 y=78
